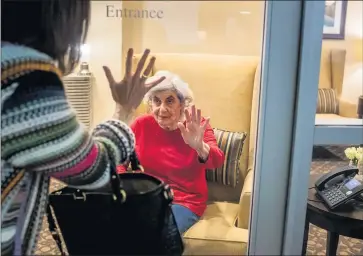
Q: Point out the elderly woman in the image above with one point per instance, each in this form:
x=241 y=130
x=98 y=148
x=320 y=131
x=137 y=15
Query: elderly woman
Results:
x=176 y=144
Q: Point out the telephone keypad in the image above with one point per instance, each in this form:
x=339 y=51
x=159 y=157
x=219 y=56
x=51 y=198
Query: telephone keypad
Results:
x=334 y=195
x=338 y=187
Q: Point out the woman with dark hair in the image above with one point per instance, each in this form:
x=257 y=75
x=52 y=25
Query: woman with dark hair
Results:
x=40 y=135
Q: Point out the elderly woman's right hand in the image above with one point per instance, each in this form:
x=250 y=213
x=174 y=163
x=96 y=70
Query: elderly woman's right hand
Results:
x=129 y=93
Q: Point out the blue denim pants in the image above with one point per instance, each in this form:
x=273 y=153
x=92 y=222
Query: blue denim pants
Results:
x=184 y=217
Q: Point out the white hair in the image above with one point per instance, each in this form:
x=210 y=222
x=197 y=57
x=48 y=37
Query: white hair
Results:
x=171 y=82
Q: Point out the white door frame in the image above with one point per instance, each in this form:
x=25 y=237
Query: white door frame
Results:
x=286 y=125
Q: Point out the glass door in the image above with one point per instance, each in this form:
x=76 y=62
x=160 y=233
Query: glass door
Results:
x=244 y=62
x=252 y=68
x=285 y=131
x=310 y=124
x=329 y=95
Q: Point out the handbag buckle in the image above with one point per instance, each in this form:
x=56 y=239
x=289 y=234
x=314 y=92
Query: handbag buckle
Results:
x=168 y=193
x=81 y=196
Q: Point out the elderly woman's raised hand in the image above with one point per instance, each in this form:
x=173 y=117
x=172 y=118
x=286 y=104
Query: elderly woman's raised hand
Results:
x=130 y=91
x=193 y=130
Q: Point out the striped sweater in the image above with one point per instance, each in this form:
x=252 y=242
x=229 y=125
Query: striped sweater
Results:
x=41 y=138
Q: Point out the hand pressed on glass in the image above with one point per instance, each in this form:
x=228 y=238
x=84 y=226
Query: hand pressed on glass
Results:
x=130 y=91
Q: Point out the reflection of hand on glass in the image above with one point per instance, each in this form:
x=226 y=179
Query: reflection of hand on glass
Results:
x=129 y=93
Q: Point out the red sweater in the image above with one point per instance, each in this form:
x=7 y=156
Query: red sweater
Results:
x=165 y=155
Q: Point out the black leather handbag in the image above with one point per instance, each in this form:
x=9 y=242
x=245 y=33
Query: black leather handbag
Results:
x=132 y=218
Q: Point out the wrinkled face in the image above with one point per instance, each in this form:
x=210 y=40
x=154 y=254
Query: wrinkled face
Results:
x=166 y=108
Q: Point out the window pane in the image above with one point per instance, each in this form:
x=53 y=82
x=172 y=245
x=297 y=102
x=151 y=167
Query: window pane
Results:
x=338 y=122
x=215 y=47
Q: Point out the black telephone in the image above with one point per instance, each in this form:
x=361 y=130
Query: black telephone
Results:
x=339 y=186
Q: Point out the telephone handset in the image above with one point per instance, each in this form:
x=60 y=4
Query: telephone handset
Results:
x=339 y=186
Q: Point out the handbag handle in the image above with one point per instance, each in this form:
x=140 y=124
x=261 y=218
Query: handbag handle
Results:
x=135 y=163
x=119 y=193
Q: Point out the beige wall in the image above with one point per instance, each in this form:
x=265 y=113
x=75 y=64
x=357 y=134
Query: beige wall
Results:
x=228 y=27
x=353 y=33
x=225 y=27
x=353 y=77
x=105 y=41
x=197 y=27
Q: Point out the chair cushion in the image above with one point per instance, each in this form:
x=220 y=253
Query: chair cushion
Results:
x=215 y=233
x=327 y=101
x=231 y=143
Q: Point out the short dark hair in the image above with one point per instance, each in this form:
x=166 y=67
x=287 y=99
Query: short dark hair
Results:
x=55 y=27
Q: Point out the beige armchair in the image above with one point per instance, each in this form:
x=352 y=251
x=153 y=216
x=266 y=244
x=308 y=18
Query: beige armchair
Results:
x=226 y=88
x=330 y=103
x=223 y=89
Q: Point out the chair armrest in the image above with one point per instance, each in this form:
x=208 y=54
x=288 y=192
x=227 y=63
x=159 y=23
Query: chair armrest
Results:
x=246 y=194
x=209 y=237
x=209 y=230
x=245 y=201
x=348 y=109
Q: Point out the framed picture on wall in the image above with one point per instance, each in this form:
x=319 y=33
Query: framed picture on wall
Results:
x=334 y=19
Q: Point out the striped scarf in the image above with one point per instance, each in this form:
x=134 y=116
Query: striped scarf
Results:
x=41 y=138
